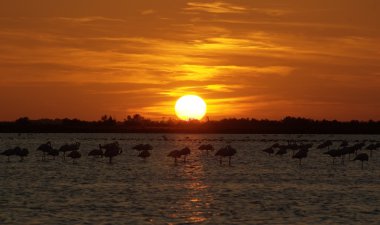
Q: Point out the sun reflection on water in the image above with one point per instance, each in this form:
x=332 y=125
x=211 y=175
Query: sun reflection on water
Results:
x=194 y=207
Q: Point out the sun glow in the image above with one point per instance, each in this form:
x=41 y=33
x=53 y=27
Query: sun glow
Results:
x=190 y=107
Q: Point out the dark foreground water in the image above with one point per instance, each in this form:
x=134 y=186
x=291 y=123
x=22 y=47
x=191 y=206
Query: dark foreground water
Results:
x=256 y=189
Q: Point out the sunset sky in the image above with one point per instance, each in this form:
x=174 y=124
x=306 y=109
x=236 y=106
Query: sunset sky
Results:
x=246 y=58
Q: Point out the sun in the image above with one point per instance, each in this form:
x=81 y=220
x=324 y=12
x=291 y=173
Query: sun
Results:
x=190 y=107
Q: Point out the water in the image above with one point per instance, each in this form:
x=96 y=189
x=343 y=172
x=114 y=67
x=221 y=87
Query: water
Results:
x=256 y=189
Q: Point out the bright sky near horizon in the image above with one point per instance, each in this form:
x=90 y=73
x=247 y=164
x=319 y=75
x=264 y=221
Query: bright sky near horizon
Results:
x=246 y=58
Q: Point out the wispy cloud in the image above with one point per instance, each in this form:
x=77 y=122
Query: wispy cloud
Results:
x=148 y=12
x=215 y=7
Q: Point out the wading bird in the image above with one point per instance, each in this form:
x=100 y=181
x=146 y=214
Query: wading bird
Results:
x=175 y=154
x=300 y=155
x=45 y=148
x=227 y=151
x=361 y=157
x=185 y=152
x=111 y=150
x=74 y=155
x=96 y=152
x=206 y=148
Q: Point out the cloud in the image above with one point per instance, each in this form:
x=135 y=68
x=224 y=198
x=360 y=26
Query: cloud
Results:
x=88 y=19
x=215 y=7
x=148 y=12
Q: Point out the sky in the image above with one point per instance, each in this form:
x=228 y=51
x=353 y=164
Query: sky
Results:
x=263 y=59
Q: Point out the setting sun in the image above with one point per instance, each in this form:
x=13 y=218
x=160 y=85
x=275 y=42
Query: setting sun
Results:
x=190 y=107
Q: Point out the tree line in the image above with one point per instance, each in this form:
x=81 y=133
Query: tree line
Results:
x=139 y=124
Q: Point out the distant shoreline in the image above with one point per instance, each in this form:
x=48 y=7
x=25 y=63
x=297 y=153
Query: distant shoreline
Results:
x=139 y=124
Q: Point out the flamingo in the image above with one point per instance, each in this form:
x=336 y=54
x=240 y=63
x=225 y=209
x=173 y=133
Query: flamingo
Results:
x=361 y=157
x=185 y=152
x=175 y=154
x=69 y=147
x=96 y=152
x=144 y=154
x=64 y=148
x=371 y=147
x=53 y=152
x=349 y=150
x=344 y=144
x=74 y=155
x=111 y=150
x=334 y=153
x=227 y=151
x=207 y=148
x=45 y=148
x=9 y=153
x=22 y=152
x=282 y=151
x=276 y=145
x=325 y=144
x=300 y=155
x=141 y=147
x=269 y=150
x=358 y=147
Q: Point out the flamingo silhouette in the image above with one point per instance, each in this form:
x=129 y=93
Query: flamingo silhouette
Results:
x=68 y=148
x=21 y=152
x=269 y=151
x=358 y=147
x=282 y=151
x=144 y=154
x=344 y=144
x=175 y=154
x=111 y=150
x=371 y=147
x=45 y=148
x=185 y=152
x=141 y=147
x=361 y=157
x=53 y=152
x=206 y=148
x=325 y=144
x=227 y=151
x=300 y=155
x=334 y=153
x=96 y=152
x=8 y=153
x=74 y=155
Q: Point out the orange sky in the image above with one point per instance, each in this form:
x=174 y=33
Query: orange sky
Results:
x=246 y=58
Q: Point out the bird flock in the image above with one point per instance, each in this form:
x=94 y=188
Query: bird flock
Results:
x=298 y=150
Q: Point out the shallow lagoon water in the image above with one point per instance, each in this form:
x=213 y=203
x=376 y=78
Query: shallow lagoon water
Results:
x=256 y=189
